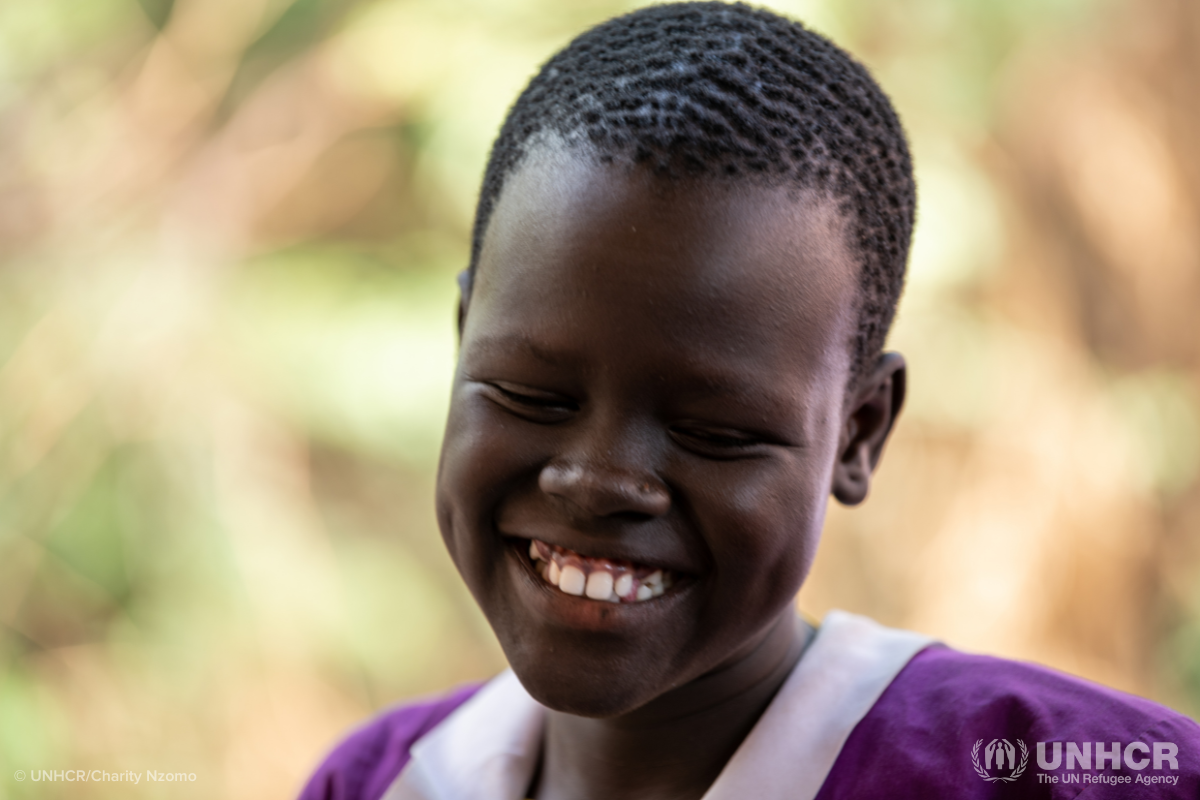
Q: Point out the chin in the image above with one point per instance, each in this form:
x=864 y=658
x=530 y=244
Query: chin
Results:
x=583 y=694
x=573 y=683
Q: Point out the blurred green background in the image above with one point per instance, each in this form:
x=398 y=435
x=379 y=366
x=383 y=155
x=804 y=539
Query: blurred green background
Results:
x=229 y=231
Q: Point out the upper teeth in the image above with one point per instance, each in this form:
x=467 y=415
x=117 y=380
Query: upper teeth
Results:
x=597 y=578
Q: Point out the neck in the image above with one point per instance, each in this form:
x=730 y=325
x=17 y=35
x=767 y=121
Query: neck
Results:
x=675 y=746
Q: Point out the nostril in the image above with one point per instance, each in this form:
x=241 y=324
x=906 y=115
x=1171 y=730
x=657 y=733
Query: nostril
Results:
x=631 y=516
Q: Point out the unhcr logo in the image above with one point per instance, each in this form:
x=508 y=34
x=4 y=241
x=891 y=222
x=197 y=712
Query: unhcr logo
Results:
x=1004 y=760
x=1137 y=756
x=1000 y=762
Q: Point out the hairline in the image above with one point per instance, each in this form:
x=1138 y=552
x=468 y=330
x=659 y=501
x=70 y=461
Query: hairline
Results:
x=553 y=144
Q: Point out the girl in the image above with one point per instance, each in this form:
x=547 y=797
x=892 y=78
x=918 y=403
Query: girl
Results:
x=688 y=249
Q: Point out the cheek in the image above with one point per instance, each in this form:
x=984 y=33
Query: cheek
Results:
x=485 y=454
x=764 y=526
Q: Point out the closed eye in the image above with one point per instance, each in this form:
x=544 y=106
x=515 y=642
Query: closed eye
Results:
x=535 y=405
x=718 y=442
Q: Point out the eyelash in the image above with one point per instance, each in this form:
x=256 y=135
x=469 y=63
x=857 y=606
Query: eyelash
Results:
x=531 y=403
x=549 y=409
x=716 y=440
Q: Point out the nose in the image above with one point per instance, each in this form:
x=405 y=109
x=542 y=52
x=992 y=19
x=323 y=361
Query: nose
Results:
x=602 y=488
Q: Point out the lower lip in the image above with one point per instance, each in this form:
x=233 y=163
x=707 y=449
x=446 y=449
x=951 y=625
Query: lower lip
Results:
x=583 y=613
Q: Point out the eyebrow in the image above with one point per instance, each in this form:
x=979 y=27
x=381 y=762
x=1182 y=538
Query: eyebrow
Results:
x=520 y=341
x=727 y=387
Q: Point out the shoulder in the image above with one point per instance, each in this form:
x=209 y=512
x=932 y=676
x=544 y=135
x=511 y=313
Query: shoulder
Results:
x=369 y=759
x=919 y=738
x=945 y=685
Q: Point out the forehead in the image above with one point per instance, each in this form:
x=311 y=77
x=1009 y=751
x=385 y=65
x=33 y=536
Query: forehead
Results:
x=705 y=267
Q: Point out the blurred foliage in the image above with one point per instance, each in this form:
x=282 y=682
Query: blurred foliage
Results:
x=228 y=239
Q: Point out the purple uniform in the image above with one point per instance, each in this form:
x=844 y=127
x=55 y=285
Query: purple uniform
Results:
x=868 y=712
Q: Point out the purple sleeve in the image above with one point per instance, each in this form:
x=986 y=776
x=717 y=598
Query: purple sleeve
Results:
x=368 y=760
x=917 y=741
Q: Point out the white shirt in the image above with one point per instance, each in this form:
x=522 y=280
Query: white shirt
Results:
x=489 y=747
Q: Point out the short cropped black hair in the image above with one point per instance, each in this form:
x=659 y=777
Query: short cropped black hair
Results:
x=732 y=92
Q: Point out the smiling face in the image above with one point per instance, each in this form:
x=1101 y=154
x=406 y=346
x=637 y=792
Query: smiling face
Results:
x=651 y=377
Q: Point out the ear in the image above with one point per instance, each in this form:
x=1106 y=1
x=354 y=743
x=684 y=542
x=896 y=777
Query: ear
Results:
x=464 y=297
x=870 y=414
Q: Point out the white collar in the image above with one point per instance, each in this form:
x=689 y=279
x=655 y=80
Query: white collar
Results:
x=488 y=748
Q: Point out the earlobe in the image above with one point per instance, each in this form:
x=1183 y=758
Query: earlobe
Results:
x=865 y=429
x=464 y=297
x=851 y=481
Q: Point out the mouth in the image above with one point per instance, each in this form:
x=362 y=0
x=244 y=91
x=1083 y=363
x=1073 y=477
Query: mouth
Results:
x=600 y=579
